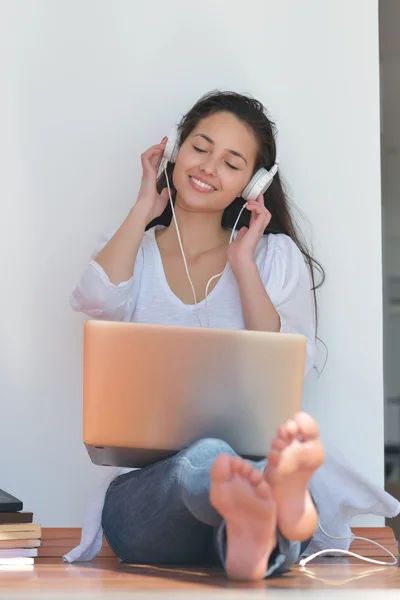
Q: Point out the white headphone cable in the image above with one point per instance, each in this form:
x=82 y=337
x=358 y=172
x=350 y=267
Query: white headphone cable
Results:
x=184 y=257
x=222 y=272
x=304 y=561
x=181 y=247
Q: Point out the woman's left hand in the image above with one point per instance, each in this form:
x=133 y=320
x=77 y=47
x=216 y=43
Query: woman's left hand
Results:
x=241 y=250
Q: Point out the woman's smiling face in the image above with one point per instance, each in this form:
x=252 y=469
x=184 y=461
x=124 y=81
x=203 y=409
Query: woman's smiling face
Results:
x=215 y=163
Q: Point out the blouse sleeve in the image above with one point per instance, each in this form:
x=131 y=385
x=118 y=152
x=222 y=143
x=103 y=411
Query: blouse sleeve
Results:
x=97 y=297
x=288 y=284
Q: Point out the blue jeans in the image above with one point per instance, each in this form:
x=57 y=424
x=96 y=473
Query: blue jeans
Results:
x=162 y=514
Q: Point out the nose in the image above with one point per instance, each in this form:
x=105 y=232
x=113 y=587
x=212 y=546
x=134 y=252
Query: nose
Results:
x=208 y=166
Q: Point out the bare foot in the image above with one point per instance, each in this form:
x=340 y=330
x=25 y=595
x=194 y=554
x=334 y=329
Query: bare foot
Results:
x=243 y=498
x=296 y=453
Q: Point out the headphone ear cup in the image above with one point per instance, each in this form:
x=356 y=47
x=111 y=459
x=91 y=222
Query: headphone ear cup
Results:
x=172 y=147
x=258 y=184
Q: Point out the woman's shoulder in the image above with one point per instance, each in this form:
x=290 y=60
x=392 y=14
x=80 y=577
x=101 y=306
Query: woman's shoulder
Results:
x=278 y=257
x=147 y=241
x=149 y=237
x=273 y=245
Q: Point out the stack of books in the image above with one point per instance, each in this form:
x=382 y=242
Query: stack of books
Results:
x=19 y=538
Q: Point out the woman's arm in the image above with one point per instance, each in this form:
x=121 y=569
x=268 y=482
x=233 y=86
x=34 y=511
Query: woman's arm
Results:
x=118 y=256
x=278 y=295
x=96 y=296
x=259 y=312
x=109 y=286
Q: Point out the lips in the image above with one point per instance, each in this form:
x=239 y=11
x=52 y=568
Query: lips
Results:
x=201 y=185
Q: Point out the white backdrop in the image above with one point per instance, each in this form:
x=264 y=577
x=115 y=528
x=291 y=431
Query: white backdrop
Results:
x=87 y=85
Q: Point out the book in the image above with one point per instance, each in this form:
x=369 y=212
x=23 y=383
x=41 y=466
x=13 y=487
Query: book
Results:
x=20 y=531
x=11 y=527
x=16 y=562
x=24 y=543
x=19 y=553
x=15 y=517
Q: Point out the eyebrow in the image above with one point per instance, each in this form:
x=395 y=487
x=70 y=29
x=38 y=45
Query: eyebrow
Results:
x=210 y=141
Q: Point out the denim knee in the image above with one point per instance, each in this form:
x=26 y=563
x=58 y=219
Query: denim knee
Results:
x=195 y=481
x=206 y=449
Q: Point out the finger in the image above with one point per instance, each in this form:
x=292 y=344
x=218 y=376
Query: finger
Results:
x=253 y=215
x=256 y=208
x=157 y=161
x=259 y=201
x=153 y=151
x=259 y=225
x=154 y=148
x=268 y=218
x=241 y=233
x=151 y=158
x=256 y=203
x=257 y=211
x=253 y=237
x=253 y=208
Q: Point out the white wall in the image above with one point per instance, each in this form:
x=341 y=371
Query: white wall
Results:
x=87 y=86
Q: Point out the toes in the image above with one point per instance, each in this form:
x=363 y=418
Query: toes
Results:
x=292 y=428
x=237 y=465
x=225 y=467
x=247 y=469
x=288 y=431
x=263 y=490
x=273 y=458
x=282 y=433
x=255 y=477
x=307 y=426
x=221 y=471
x=278 y=444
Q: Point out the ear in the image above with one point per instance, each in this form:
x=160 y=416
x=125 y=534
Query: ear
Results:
x=164 y=194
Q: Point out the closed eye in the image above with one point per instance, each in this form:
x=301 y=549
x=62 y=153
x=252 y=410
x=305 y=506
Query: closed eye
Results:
x=201 y=151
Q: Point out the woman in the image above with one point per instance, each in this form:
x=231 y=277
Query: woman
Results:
x=207 y=504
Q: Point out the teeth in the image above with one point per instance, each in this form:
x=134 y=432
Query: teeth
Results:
x=201 y=184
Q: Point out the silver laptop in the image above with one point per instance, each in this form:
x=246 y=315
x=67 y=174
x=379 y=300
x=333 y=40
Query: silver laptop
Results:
x=151 y=391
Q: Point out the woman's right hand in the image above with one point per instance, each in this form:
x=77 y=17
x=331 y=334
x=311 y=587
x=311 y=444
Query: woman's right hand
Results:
x=149 y=200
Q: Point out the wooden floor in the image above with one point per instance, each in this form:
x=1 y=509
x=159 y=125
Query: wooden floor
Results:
x=104 y=576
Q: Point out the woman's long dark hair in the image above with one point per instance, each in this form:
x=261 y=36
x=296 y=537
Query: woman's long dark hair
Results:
x=253 y=114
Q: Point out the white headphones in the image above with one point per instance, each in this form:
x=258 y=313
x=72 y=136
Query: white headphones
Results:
x=257 y=185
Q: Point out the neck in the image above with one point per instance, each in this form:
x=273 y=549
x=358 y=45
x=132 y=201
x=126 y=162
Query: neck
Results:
x=199 y=231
